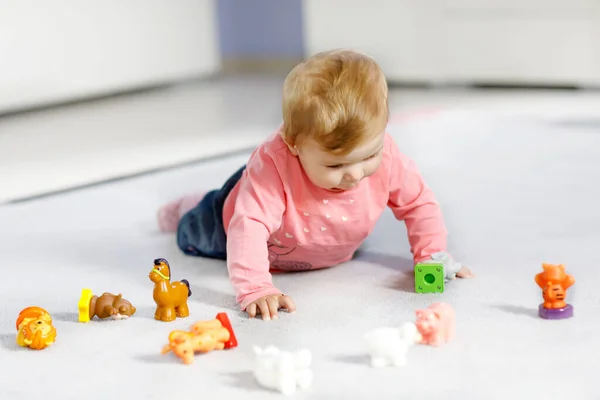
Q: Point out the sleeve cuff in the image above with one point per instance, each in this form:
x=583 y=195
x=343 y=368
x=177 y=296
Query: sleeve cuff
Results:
x=249 y=298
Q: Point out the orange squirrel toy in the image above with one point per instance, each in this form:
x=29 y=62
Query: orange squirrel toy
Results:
x=554 y=282
x=34 y=328
x=205 y=336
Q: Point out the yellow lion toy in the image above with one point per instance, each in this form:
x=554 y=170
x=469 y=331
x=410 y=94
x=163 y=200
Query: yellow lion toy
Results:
x=35 y=329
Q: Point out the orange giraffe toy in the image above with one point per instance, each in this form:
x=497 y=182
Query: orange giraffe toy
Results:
x=554 y=282
x=205 y=336
x=170 y=298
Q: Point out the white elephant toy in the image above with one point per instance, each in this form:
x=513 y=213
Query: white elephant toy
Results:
x=283 y=370
x=451 y=267
x=388 y=346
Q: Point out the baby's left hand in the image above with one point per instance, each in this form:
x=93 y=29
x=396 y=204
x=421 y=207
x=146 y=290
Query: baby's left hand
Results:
x=452 y=269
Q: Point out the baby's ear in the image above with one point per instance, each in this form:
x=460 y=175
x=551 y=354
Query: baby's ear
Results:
x=291 y=146
x=293 y=150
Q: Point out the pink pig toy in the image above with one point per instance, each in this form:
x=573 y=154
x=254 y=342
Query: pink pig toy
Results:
x=436 y=324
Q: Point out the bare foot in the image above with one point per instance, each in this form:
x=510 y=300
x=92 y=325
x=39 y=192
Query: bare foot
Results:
x=170 y=214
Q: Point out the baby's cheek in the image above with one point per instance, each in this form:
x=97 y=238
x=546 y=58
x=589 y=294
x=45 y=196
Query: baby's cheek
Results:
x=333 y=177
x=323 y=178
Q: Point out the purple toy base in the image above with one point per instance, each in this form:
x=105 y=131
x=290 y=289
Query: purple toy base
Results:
x=556 y=313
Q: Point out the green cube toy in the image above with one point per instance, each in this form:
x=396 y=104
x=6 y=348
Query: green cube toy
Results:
x=429 y=278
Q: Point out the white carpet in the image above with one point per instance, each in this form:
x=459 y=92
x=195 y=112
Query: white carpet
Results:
x=516 y=193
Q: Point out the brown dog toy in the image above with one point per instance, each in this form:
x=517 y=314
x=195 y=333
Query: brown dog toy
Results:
x=106 y=306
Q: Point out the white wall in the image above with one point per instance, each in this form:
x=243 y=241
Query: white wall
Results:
x=493 y=41
x=57 y=50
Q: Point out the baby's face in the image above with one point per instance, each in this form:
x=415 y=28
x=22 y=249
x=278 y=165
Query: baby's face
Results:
x=339 y=173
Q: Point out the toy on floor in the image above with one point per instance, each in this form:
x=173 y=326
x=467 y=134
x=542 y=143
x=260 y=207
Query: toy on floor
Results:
x=429 y=278
x=106 y=306
x=436 y=324
x=431 y=275
x=554 y=282
x=284 y=371
x=389 y=345
x=170 y=297
x=34 y=328
x=205 y=336
x=221 y=324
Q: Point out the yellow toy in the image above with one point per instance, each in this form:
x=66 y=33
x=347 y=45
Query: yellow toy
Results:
x=34 y=328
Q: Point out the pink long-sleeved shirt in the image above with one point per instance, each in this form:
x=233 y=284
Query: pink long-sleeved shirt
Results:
x=276 y=219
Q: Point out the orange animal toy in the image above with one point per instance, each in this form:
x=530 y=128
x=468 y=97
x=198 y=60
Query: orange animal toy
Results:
x=554 y=282
x=34 y=328
x=170 y=297
x=205 y=336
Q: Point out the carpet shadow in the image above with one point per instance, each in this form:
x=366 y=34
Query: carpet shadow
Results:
x=518 y=310
x=214 y=298
x=355 y=359
x=8 y=341
x=144 y=312
x=66 y=316
x=405 y=281
x=244 y=380
x=157 y=358
x=394 y=262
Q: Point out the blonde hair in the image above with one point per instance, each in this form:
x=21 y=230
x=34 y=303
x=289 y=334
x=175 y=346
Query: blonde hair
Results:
x=337 y=98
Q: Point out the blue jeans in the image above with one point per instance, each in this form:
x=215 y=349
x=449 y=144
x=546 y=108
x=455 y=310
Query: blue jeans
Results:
x=201 y=232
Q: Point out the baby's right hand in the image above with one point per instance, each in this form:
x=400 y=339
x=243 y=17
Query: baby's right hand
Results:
x=269 y=305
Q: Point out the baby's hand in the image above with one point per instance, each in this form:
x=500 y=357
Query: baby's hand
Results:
x=269 y=305
x=464 y=272
x=452 y=269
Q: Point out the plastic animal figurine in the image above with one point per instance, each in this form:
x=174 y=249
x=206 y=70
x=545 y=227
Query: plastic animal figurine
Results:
x=170 y=297
x=205 y=336
x=436 y=324
x=106 y=306
x=34 y=328
x=389 y=345
x=283 y=371
x=554 y=282
x=184 y=345
x=220 y=327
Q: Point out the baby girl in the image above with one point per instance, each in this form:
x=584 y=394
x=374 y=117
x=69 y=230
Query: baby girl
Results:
x=313 y=191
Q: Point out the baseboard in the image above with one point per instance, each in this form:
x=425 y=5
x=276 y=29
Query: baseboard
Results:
x=280 y=66
x=102 y=95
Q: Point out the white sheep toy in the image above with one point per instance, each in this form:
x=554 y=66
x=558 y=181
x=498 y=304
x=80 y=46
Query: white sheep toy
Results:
x=283 y=370
x=388 y=346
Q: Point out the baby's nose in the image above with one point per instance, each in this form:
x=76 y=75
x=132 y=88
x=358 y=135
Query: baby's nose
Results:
x=353 y=175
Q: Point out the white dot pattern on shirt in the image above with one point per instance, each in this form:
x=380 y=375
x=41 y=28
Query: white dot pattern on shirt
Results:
x=323 y=228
